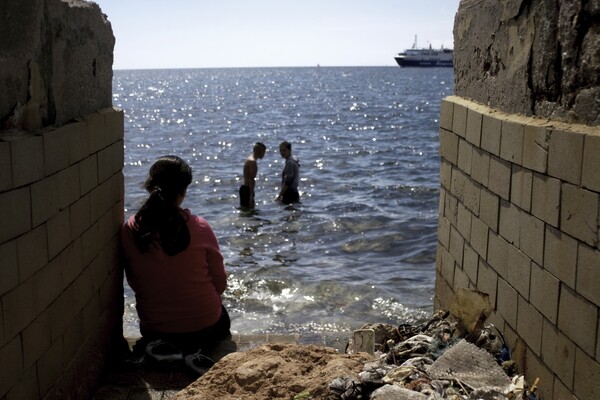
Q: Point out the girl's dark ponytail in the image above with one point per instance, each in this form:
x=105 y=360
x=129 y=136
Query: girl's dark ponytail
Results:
x=160 y=219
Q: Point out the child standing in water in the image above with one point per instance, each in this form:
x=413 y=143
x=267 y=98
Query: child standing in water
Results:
x=250 y=171
x=289 y=177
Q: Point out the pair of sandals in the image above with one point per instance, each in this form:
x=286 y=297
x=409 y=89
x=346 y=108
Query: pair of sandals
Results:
x=166 y=354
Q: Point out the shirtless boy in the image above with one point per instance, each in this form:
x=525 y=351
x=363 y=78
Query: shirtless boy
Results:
x=250 y=171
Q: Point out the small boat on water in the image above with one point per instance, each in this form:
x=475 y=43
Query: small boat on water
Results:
x=416 y=57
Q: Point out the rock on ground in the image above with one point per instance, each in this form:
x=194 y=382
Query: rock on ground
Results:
x=275 y=371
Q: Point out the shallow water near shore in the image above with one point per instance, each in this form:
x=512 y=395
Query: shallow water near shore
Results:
x=360 y=247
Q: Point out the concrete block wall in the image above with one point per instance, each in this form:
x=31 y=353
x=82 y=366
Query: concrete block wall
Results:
x=61 y=209
x=519 y=220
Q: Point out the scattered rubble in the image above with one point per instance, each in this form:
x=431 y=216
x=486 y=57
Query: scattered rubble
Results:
x=454 y=355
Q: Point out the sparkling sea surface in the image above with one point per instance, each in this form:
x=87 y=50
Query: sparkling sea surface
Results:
x=360 y=247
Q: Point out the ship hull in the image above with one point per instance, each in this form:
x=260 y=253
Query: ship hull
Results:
x=404 y=62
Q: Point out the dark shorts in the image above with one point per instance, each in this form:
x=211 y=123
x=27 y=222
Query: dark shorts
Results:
x=290 y=196
x=190 y=342
x=245 y=196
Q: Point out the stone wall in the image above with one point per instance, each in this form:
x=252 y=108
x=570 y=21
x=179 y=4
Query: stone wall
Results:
x=61 y=200
x=520 y=183
x=531 y=57
x=519 y=211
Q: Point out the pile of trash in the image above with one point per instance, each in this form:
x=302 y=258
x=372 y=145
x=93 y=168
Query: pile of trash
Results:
x=438 y=359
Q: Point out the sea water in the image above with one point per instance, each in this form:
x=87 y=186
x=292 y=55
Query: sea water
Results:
x=360 y=247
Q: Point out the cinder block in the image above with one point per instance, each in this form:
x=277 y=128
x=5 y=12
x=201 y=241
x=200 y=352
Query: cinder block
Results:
x=591 y=163
x=115 y=124
x=5 y=167
x=489 y=209
x=446 y=112
x=521 y=187
x=59 y=233
x=565 y=155
x=510 y=220
x=81 y=216
x=497 y=249
x=535 y=148
x=56 y=150
x=79 y=141
x=96 y=126
x=445 y=173
x=464 y=222
x=45 y=201
x=50 y=367
x=479 y=236
x=487 y=280
x=15 y=213
x=545 y=203
x=461 y=280
x=32 y=250
x=20 y=307
x=27 y=160
x=73 y=336
x=472 y=196
x=110 y=161
x=578 y=319
x=68 y=181
x=511 y=142
x=104 y=197
x=499 y=179
x=9 y=376
x=480 y=168
x=518 y=271
x=444 y=232
x=560 y=255
x=441 y=203
x=531 y=237
x=449 y=146
x=544 y=292
x=459 y=120
x=9 y=271
x=579 y=213
x=451 y=209
x=474 y=119
x=66 y=307
x=36 y=339
x=457 y=244
x=588 y=274
x=470 y=263
x=73 y=263
x=91 y=243
x=443 y=293
x=465 y=156
x=558 y=353
x=88 y=174
x=536 y=369
x=506 y=302
x=491 y=130
x=587 y=376
x=91 y=310
x=446 y=269
x=529 y=325
x=560 y=391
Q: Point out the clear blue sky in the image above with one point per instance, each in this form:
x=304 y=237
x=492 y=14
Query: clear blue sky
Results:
x=273 y=33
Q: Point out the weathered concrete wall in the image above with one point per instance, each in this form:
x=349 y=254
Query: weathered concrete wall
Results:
x=520 y=183
x=531 y=57
x=61 y=200
x=56 y=61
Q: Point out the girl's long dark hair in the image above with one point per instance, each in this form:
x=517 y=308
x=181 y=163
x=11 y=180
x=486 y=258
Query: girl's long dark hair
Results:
x=160 y=219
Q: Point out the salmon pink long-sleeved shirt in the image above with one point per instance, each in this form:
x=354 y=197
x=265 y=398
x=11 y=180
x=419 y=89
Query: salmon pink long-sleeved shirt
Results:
x=180 y=293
